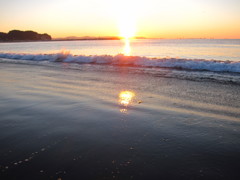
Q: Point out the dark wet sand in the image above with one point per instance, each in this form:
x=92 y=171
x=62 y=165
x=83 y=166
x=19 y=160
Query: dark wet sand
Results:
x=59 y=122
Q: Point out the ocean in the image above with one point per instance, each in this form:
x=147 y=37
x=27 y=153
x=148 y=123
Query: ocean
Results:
x=144 y=109
x=218 y=58
x=204 y=49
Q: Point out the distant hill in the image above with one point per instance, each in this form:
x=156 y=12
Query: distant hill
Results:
x=17 y=35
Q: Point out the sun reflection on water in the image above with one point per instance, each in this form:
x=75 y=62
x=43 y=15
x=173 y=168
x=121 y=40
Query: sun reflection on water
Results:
x=127 y=47
x=125 y=99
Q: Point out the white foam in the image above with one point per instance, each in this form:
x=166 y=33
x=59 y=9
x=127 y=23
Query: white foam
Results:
x=188 y=64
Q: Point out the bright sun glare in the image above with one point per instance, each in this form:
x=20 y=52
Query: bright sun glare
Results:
x=127 y=28
x=125 y=97
x=126 y=13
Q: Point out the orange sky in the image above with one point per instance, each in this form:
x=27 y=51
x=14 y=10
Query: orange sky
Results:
x=148 y=18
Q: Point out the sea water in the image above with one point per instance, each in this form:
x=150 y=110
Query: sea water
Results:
x=217 y=59
x=208 y=49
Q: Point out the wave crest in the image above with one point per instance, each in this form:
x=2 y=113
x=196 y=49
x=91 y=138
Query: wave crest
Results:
x=120 y=59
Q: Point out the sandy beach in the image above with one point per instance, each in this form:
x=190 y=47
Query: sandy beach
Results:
x=70 y=123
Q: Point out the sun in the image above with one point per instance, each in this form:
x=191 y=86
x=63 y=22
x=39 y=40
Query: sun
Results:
x=127 y=17
x=127 y=27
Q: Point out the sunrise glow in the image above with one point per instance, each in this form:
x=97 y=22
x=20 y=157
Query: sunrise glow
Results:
x=125 y=19
x=127 y=27
x=126 y=15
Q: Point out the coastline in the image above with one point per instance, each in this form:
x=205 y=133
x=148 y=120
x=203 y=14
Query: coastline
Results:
x=98 y=39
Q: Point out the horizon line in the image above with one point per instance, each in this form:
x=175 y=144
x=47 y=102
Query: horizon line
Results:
x=135 y=37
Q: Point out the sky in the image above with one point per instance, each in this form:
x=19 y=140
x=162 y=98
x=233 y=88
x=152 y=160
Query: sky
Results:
x=126 y=18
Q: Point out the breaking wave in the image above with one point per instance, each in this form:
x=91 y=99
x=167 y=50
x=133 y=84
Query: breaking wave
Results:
x=121 y=60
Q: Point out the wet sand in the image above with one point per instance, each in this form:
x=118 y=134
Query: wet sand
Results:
x=63 y=122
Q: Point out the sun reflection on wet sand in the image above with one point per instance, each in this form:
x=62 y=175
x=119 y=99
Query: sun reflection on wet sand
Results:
x=125 y=99
x=127 y=47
